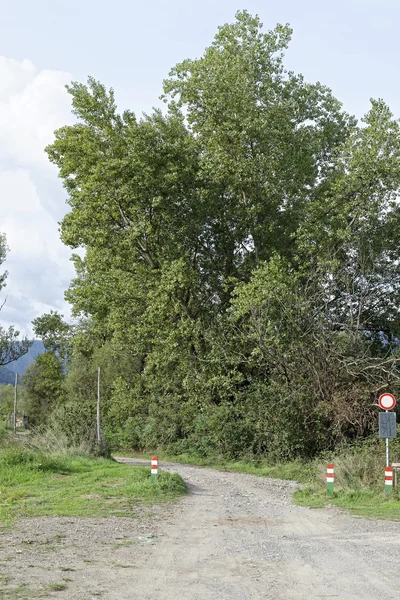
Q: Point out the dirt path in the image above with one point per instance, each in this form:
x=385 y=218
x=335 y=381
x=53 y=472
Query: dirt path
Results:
x=235 y=537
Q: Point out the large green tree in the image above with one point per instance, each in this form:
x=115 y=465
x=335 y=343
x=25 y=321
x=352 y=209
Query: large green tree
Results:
x=42 y=383
x=239 y=246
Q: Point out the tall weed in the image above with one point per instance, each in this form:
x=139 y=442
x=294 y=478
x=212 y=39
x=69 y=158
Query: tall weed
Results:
x=360 y=466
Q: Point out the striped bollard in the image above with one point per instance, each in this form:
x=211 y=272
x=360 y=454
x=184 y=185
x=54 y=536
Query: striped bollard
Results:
x=388 y=479
x=154 y=468
x=330 y=478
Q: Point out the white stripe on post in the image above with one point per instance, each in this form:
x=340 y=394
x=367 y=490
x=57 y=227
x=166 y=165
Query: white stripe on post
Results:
x=388 y=476
x=154 y=465
x=330 y=473
x=330 y=478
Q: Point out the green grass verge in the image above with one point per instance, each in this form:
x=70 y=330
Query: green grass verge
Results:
x=368 y=503
x=33 y=484
x=359 y=481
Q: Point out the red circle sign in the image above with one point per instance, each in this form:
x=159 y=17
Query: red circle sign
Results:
x=387 y=401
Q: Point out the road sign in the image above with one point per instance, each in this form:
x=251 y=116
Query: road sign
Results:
x=387 y=401
x=387 y=425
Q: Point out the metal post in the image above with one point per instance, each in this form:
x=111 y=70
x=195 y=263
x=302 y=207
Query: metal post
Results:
x=387 y=451
x=15 y=404
x=98 y=408
x=388 y=470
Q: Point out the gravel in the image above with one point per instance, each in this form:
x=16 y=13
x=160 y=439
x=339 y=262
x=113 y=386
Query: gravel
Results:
x=234 y=537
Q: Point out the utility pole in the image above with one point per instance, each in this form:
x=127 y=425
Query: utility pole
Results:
x=15 y=404
x=98 y=408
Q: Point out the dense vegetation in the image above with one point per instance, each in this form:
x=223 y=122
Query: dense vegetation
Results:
x=240 y=282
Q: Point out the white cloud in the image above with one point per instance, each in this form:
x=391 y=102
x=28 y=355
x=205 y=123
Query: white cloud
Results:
x=33 y=104
x=14 y=76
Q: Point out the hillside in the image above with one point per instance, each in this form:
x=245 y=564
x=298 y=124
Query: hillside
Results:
x=7 y=374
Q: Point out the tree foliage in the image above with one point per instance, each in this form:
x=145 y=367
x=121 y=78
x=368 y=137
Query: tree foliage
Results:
x=240 y=281
x=6 y=400
x=54 y=332
x=42 y=383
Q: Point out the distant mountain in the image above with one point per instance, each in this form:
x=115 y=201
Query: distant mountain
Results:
x=20 y=365
x=6 y=376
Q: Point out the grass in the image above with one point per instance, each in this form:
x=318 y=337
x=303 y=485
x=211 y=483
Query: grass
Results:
x=359 y=482
x=56 y=587
x=35 y=484
x=368 y=503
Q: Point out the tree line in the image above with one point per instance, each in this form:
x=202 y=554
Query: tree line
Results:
x=239 y=285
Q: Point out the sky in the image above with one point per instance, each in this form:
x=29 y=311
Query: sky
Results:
x=349 y=45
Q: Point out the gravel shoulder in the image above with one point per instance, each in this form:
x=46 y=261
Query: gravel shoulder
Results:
x=234 y=537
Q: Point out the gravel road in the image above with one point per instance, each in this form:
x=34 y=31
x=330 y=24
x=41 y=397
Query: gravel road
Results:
x=234 y=537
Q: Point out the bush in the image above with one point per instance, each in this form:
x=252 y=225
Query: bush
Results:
x=71 y=428
x=360 y=466
x=4 y=430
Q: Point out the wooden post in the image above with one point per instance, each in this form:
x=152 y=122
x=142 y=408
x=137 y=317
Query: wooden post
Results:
x=395 y=467
x=98 y=408
x=15 y=404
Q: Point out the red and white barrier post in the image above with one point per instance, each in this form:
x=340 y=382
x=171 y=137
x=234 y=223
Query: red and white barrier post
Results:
x=154 y=468
x=388 y=479
x=330 y=478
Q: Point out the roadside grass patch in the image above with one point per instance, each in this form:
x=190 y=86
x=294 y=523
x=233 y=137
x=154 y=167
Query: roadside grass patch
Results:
x=359 y=482
x=56 y=587
x=33 y=484
x=368 y=503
